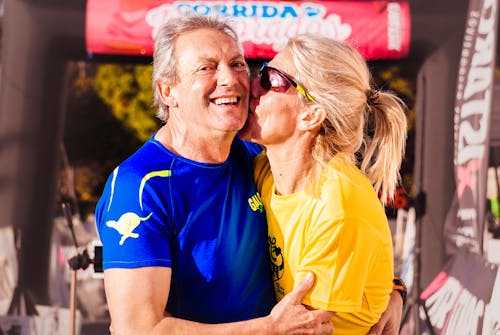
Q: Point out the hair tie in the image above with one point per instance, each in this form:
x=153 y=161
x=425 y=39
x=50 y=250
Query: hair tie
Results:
x=372 y=97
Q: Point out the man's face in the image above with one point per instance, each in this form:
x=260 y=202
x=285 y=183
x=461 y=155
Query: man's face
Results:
x=213 y=83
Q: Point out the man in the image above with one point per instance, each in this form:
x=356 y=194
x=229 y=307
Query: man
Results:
x=181 y=222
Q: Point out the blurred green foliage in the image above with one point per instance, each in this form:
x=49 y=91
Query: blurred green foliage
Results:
x=126 y=89
x=104 y=124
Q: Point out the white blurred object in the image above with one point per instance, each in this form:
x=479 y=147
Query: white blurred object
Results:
x=493 y=250
x=8 y=268
x=49 y=321
x=404 y=245
x=90 y=297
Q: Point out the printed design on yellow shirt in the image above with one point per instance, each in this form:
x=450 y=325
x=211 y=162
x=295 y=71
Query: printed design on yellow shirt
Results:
x=255 y=203
x=277 y=265
x=277 y=259
x=129 y=221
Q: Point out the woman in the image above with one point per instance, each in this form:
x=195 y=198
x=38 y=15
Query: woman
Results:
x=333 y=146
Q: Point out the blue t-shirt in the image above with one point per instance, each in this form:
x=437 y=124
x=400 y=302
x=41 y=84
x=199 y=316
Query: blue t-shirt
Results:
x=205 y=221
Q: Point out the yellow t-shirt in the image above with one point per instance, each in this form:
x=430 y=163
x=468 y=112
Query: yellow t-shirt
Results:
x=341 y=234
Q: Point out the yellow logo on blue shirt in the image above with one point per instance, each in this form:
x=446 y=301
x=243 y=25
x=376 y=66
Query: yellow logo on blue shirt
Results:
x=255 y=203
x=126 y=225
x=129 y=221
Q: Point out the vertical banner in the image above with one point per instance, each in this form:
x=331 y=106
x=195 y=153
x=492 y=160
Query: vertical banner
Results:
x=465 y=220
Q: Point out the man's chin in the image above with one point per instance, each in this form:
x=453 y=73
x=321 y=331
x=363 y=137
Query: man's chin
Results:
x=244 y=133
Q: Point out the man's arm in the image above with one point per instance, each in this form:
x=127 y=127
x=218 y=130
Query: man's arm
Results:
x=137 y=298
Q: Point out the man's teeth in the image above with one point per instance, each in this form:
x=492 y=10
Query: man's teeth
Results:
x=220 y=101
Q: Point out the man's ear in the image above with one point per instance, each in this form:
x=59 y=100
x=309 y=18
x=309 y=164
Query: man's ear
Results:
x=311 y=118
x=165 y=93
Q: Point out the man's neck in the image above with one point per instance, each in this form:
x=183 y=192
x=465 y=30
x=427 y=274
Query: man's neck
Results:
x=211 y=148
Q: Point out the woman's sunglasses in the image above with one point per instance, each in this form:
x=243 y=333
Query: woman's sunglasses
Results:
x=277 y=81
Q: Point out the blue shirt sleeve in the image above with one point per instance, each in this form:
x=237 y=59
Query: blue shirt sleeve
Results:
x=131 y=224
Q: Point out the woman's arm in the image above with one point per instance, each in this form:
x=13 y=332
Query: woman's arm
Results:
x=390 y=320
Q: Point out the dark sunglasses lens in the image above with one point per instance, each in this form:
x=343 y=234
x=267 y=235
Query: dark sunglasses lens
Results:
x=264 y=79
x=275 y=81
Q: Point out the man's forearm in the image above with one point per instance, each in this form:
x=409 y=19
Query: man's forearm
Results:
x=175 y=326
x=142 y=313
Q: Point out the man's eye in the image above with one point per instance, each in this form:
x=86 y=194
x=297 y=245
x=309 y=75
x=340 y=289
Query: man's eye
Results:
x=239 y=66
x=206 y=68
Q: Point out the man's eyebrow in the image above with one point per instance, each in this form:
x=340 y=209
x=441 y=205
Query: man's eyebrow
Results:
x=202 y=58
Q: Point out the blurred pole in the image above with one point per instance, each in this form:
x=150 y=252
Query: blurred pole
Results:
x=38 y=40
x=72 y=302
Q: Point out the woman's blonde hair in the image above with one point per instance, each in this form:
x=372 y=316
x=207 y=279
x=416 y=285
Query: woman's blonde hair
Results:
x=362 y=125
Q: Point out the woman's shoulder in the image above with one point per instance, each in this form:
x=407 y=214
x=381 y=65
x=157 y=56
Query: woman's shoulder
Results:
x=343 y=176
x=340 y=169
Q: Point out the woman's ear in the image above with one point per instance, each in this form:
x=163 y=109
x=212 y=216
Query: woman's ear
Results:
x=311 y=118
x=165 y=93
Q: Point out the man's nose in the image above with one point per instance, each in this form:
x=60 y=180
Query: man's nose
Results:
x=227 y=76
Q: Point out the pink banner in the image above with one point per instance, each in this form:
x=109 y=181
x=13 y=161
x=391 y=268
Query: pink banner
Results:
x=378 y=29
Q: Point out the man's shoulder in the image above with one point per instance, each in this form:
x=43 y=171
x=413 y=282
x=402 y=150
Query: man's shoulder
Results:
x=150 y=155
